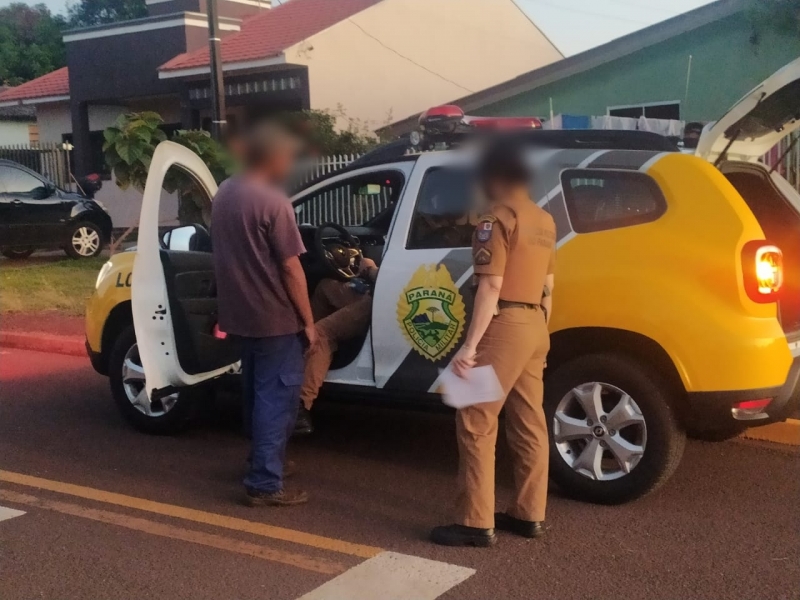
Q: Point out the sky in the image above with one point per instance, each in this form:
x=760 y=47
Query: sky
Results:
x=572 y=25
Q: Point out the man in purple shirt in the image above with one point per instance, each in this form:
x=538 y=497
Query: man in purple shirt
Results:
x=263 y=300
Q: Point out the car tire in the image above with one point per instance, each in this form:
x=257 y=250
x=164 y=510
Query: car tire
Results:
x=653 y=433
x=85 y=240
x=18 y=254
x=165 y=418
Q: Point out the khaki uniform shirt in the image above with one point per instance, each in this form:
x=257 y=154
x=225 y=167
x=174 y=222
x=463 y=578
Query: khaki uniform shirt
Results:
x=516 y=240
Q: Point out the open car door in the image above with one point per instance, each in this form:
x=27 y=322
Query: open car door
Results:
x=174 y=289
x=755 y=124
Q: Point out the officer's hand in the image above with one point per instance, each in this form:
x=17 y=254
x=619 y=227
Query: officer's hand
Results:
x=311 y=336
x=463 y=361
x=366 y=266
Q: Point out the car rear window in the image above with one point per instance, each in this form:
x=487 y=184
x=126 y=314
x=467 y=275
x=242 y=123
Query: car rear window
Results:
x=600 y=199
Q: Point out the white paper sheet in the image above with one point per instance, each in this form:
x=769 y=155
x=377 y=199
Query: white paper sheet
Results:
x=480 y=386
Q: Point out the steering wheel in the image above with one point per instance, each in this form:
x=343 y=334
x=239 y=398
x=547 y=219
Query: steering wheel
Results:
x=342 y=257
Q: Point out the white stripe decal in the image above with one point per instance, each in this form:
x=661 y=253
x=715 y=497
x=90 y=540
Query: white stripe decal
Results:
x=553 y=193
x=646 y=166
x=9 y=513
x=392 y=576
x=591 y=158
x=565 y=239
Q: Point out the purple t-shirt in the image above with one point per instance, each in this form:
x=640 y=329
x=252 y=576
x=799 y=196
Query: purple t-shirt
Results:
x=253 y=231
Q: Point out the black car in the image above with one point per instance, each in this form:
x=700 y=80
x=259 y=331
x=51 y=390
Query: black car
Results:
x=35 y=214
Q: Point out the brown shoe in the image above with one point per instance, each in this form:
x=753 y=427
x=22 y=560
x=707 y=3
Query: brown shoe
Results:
x=282 y=498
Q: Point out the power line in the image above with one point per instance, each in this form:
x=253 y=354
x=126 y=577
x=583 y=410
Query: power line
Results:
x=412 y=61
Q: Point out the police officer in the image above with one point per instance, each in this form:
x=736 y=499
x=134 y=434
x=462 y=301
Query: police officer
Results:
x=513 y=255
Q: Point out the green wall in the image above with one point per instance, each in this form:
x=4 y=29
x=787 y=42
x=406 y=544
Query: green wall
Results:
x=725 y=66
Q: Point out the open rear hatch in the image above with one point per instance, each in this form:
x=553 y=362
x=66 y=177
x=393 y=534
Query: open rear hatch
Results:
x=750 y=129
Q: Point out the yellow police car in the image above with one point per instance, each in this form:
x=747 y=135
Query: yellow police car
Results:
x=677 y=307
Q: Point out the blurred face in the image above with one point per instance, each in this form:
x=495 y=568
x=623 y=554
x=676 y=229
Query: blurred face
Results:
x=277 y=165
x=498 y=190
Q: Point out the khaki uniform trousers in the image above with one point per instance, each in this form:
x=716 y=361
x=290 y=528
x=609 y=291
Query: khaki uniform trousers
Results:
x=516 y=345
x=340 y=314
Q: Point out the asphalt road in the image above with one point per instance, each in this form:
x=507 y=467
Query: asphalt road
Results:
x=726 y=526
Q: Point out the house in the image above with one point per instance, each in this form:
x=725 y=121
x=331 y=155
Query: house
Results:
x=368 y=58
x=17 y=124
x=692 y=67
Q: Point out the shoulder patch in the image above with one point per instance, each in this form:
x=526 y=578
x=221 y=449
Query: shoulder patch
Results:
x=482 y=256
x=483 y=233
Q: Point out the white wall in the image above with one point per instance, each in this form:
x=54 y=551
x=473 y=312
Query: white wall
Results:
x=14 y=132
x=53 y=120
x=472 y=43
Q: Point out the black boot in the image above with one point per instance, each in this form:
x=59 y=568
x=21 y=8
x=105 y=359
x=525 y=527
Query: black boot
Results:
x=303 y=425
x=528 y=529
x=461 y=535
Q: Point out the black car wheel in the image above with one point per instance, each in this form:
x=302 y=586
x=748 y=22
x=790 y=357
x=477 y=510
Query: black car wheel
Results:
x=18 y=253
x=166 y=416
x=614 y=436
x=85 y=240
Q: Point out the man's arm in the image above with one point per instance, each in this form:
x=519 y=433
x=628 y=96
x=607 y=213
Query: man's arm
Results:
x=486 y=299
x=294 y=279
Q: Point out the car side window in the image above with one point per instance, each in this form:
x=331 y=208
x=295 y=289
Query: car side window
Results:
x=442 y=216
x=16 y=181
x=601 y=199
x=352 y=202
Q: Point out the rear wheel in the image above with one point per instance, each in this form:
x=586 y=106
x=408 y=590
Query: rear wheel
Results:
x=17 y=253
x=165 y=416
x=614 y=436
x=85 y=240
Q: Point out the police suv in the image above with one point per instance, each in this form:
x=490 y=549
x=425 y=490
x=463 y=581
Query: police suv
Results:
x=676 y=306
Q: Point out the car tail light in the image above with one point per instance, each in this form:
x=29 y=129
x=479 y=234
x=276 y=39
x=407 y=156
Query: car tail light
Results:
x=748 y=410
x=763 y=271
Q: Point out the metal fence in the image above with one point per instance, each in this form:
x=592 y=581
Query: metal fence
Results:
x=787 y=157
x=345 y=204
x=50 y=160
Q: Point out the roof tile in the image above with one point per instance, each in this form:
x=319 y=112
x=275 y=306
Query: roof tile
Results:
x=55 y=83
x=269 y=33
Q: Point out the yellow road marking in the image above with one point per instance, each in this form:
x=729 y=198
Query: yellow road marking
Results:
x=318 y=565
x=190 y=514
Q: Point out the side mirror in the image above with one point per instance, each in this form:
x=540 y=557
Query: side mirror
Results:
x=190 y=238
x=43 y=192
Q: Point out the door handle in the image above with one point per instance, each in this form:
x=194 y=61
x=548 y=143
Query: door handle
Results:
x=16 y=202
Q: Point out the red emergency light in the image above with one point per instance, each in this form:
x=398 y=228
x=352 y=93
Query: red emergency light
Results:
x=447 y=123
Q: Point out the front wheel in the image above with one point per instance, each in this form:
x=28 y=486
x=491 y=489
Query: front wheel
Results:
x=614 y=436
x=166 y=416
x=85 y=240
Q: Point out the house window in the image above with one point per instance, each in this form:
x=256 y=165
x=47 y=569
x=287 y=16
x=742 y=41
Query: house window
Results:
x=600 y=199
x=653 y=110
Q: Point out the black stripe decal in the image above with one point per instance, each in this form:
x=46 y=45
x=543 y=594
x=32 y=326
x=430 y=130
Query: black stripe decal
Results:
x=623 y=159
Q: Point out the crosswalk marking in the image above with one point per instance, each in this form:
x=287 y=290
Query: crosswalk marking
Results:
x=392 y=576
x=9 y=513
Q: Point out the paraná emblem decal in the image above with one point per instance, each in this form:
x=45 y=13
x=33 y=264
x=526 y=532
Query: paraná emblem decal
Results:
x=431 y=312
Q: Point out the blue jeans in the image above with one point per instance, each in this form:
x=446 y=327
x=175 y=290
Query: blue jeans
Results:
x=272 y=372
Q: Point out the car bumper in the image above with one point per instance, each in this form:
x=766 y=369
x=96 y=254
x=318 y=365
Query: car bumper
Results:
x=96 y=358
x=715 y=410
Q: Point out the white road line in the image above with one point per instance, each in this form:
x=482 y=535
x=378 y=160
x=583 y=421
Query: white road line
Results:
x=392 y=576
x=9 y=513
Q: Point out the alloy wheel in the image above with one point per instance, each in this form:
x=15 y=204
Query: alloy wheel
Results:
x=85 y=241
x=599 y=431
x=134 y=385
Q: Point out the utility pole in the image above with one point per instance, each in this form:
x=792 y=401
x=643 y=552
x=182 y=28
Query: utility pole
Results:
x=218 y=119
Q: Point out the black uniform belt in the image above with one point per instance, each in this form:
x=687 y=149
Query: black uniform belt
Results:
x=508 y=304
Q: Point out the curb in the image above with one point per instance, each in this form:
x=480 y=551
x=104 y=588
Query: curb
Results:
x=787 y=433
x=44 y=342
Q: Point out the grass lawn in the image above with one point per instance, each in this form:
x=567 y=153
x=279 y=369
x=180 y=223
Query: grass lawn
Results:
x=41 y=284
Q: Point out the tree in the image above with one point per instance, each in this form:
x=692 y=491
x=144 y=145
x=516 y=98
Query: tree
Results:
x=433 y=310
x=99 y=12
x=129 y=146
x=30 y=42
x=318 y=129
